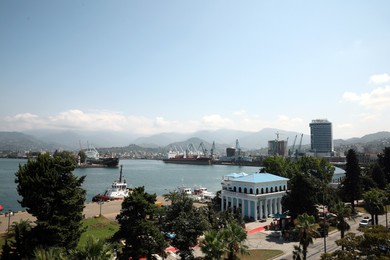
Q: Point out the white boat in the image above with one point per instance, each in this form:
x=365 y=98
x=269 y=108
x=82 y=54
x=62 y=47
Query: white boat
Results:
x=118 y=190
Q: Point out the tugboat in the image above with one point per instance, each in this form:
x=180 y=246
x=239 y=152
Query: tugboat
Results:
x=117 y=191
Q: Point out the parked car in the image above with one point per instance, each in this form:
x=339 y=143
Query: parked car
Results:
x=365 y=222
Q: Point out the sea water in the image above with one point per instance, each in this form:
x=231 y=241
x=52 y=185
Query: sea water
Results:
x=156 y=176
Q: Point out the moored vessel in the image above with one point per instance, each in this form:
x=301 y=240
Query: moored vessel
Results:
x=118 y=190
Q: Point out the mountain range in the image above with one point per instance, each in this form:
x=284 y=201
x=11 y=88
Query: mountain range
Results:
x=40 y=140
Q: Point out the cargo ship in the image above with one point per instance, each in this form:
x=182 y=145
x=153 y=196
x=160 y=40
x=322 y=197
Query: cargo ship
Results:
x=93 y=159
x=174 y=157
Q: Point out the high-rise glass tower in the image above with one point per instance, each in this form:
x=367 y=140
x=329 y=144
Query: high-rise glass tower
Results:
x=321 y=136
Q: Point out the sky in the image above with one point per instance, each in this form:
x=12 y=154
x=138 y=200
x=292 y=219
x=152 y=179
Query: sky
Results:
x=147 y=67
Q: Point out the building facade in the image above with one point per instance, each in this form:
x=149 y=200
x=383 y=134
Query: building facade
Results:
x=321 y=137
x=258 y=195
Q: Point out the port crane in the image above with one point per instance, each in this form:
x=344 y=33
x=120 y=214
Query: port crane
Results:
x=204 y=150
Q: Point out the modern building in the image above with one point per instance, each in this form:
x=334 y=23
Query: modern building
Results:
x=321 y=137
x=258 y=195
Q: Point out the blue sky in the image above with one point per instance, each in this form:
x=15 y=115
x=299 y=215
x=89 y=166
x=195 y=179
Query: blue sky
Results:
x=147 y=67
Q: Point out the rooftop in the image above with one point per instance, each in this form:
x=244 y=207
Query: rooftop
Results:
x=254 y=177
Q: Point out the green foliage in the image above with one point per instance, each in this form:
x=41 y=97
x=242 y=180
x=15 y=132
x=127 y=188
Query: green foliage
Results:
x=306 y=229
x=279 y=166
x=100 y=228
x=18 y=240
x=316 y=167
x=351 y=188
x=212 y=245
x=55 y=196
x=384 y=162
x=378 y=176
x=94 y=249
x=373 y=244
x=301 y=197
x=41 y=253
x=186 y=221
x=374 y=203
x=138 y=227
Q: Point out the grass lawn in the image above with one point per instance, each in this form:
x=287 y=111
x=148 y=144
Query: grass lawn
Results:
x=99 y=227
x=261 y=254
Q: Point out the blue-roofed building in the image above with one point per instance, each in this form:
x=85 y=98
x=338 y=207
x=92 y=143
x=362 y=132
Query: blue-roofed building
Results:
x=258 y=195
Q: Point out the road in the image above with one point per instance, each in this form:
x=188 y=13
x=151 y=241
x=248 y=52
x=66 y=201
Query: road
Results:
x=317 y=248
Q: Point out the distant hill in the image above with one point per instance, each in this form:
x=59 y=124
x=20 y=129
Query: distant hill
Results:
x=223 y=138
x=16 y=141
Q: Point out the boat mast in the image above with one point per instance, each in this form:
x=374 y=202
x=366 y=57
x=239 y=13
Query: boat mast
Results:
x=120 y=175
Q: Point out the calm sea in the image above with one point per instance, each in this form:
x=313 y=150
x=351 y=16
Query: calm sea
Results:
x=156 y=176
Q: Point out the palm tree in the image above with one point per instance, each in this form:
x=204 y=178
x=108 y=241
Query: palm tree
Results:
x=305 y=227
x=49 y=253
x=19 y=239
x=212 y=245
x=374 y=203
x=95 y=249
x=234 y=236
x=342 y=211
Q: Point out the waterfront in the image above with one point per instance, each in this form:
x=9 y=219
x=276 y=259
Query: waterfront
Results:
x=156 y=176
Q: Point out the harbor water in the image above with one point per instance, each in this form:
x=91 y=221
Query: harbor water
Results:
x=156 y=176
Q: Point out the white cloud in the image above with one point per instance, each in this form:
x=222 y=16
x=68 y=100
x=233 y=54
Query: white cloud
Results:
x=95 y=120
x=379 y=78
x=378 y=99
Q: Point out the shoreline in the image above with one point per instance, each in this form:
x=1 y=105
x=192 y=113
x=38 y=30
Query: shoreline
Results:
x=109 y=209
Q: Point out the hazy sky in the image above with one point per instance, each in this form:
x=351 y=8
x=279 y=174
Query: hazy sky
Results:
x=161 y=66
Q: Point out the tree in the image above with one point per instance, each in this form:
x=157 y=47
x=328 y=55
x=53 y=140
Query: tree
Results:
x=278 y=165
x=138 y=227
x=378 y=176
x=316 y=167
x=384 y=162
x=342 y=211
x=186 y=221
x=17 y=244
x=234 y=236
x=94 y=249
x=212 y=245
x=55 y=196
x=301 y=196
x=305 y=227
x=374 y=203
x=351 y=185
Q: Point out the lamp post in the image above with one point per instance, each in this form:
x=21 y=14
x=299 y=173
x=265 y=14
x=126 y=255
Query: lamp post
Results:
x=100 y=202
x=323 y=211
x=9 y=214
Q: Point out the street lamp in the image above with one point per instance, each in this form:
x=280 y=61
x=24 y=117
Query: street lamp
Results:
x=100 y=202
x=9 y=214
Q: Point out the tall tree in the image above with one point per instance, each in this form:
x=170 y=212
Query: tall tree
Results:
x=352 y=182
x=342 y=211
x=51 y=193
x=94 y=249
x=374 y=202
x=212 y=245
x=234 y=235
x=306 y=228
x=186 y=221
x=138 y=227
x=384 y=162
x=18 y=241
x=301 y=196
x=378 y=176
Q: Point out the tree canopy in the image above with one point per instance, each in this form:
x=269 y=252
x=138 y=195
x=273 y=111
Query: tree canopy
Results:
x=351 y=188
x=51 y=193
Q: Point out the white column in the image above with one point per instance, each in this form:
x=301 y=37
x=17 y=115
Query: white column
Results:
x=266 y=208
x=274 y=207
x=242 y=207
x=261 y=209
x=249 y=209
x=255 y=206
x=280 y=205
x=222 y=203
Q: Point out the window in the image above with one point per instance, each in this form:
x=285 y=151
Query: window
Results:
x=239 y=189
x=262 y=191
x=257 y=191
x=245 y=190
x=266 y=190
x=251 y=191
x=276 y=188
x=234 y=189
x=272 y=190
